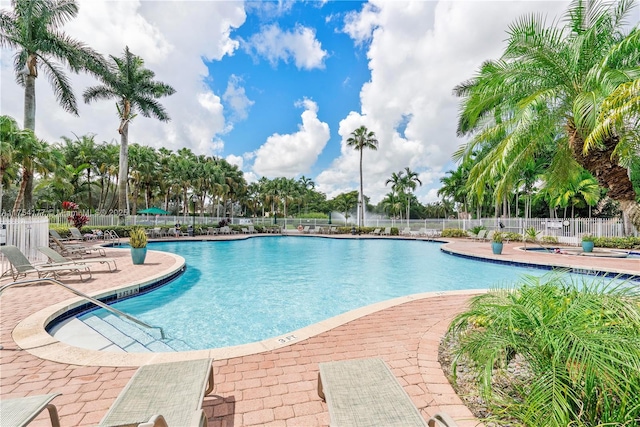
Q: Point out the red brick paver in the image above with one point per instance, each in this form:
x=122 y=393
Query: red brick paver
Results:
x=274 y=388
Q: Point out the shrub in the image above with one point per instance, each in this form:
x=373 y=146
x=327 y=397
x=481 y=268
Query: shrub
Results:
x=454 y=232
x=512 y=236
x=551 y=240
x=579 y=342
x=497 y=237
x=618 y=242
x=588 y=238
x=138 y=238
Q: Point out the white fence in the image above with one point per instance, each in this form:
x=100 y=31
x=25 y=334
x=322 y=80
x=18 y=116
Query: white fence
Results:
x=568 y=230
x=27 y=233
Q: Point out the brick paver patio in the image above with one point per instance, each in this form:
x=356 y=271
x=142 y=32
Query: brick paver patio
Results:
x=272 y=388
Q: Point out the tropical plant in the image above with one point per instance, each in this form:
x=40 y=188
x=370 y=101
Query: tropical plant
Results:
x=454 y=232
x=588 y=238
x=133 y=87
x=577 y=343
x=34 y=156
x=553 y=89
x=138 y=238
x=360 y=139
x=9 y=133
x=33 y=29
x=497 y=237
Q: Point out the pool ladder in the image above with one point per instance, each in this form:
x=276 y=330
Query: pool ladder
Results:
x=84 y=296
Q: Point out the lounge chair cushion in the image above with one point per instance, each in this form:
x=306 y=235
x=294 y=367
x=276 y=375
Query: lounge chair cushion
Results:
x=174 y=390
x=365 y=393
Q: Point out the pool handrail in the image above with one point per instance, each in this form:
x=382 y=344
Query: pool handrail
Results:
x=84 y=296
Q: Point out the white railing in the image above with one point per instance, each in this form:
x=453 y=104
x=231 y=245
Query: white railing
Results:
x=27 y=233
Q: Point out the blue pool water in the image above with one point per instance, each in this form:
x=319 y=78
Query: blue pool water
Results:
x=237 y=292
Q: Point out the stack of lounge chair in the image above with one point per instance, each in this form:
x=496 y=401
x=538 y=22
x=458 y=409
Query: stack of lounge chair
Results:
x=21 y=266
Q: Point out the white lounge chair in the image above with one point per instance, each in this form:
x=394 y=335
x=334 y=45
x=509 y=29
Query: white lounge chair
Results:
x=166 y=394
x=376 y=232
x=21 y=411
x=387 y=231
x=79 y=250
x=364 y=392
x=77 y=235
x=481 y=235
x=21 y=266
x=58 y=259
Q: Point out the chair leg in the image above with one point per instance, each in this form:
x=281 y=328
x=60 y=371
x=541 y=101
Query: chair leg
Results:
x=53 y=414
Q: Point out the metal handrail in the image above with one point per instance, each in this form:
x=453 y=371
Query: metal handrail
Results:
x=85 y=296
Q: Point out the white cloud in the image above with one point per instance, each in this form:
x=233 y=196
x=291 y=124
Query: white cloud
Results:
x=418 y=52
x=236 y=97
x=162 y=33
x=235 y=160
x=293 y=154
x=300 y=44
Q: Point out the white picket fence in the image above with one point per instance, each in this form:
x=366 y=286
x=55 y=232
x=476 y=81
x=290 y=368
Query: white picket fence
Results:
x=27 y=233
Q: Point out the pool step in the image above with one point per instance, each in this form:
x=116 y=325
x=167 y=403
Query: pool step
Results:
x=130 y=337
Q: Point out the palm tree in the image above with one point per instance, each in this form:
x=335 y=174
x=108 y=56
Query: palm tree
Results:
x=344 y=202
x=410 y=180
x=360 y=139
x=33 y=29
x=35 y=156
x=82 y=152
x=552 y=90
x=133 y=87
x=9 y=133
x=397 y=185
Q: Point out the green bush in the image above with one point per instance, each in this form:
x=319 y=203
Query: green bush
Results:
x=454 y=232
x=617 y=242
x=513 y=236
x=551 y=240
x=313 y=215
x=578 y=343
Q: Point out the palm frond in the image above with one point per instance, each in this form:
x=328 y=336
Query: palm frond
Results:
x=60 y=84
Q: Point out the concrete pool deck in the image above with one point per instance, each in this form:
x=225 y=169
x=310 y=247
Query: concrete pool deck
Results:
x=274 y=387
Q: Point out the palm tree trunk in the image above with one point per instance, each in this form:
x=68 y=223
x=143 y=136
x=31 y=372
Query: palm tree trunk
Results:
x=361 y=218
x=1 y=188
x=29 y=123
x=23 y=187
x=603 y=165
x=123 y=171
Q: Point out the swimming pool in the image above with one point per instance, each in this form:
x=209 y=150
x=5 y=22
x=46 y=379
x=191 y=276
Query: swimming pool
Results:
x=237 y=292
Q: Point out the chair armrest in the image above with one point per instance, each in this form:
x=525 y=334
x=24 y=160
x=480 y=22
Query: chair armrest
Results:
x=155 y=421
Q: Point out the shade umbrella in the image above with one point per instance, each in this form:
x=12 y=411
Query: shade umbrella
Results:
x=154 y=211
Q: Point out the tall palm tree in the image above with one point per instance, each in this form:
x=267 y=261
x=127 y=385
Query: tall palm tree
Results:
x=549 y=91
x=397 y=185
x=33 y=29
x=360 y=139
x=82 y=151
x=410 y=181
x=133 y=87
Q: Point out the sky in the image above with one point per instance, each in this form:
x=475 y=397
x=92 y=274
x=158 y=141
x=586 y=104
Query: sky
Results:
x=277 y=87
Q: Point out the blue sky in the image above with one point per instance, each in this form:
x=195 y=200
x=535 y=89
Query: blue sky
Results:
x=277 y=87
